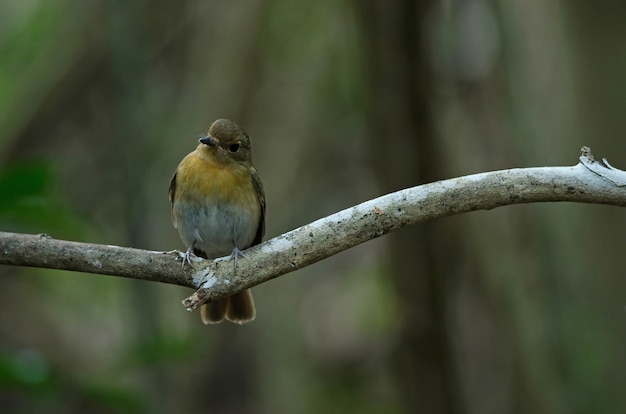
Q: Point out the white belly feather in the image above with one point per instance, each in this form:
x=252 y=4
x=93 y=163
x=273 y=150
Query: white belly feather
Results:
x=216 y=228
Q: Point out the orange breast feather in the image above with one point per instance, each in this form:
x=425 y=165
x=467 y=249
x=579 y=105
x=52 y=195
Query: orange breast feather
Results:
x=199 y=179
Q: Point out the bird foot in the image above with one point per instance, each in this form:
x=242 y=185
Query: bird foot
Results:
x=189 y=256
x=235 y=255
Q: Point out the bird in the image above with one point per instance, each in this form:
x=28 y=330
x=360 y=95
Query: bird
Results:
x=218 y=208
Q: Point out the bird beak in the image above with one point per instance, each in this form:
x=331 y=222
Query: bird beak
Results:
x=209 y=140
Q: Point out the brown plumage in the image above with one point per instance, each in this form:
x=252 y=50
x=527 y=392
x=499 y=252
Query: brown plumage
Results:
x=218 y=208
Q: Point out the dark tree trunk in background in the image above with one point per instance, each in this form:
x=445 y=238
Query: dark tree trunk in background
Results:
x=404 y=151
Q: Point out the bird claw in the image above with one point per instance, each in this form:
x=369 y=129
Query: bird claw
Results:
x=188 y=257
x=235 y=255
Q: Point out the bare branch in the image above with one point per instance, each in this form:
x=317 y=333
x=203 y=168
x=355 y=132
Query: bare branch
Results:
x=587 y=182
x=40 y=250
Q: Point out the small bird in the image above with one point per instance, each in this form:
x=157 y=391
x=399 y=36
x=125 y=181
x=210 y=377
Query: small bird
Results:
x=218 y=207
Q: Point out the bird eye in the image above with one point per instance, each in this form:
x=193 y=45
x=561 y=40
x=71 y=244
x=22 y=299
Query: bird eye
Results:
x=234 y=147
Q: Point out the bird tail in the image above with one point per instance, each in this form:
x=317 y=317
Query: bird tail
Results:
x=238 y=308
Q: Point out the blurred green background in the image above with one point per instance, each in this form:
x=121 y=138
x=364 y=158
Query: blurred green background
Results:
x=515 y=310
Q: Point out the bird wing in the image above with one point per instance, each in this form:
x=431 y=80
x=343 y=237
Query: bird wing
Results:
x=171 y=193
x=258 y=187
x=172 y=190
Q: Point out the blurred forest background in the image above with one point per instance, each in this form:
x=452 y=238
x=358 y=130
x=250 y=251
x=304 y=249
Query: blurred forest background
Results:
x=515 y=310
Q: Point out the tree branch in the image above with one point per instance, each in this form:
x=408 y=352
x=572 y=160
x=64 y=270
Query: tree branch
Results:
x=587 y=182
x=40 y=250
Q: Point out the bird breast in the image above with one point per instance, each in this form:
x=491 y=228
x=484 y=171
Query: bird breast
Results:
x=215 y=208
